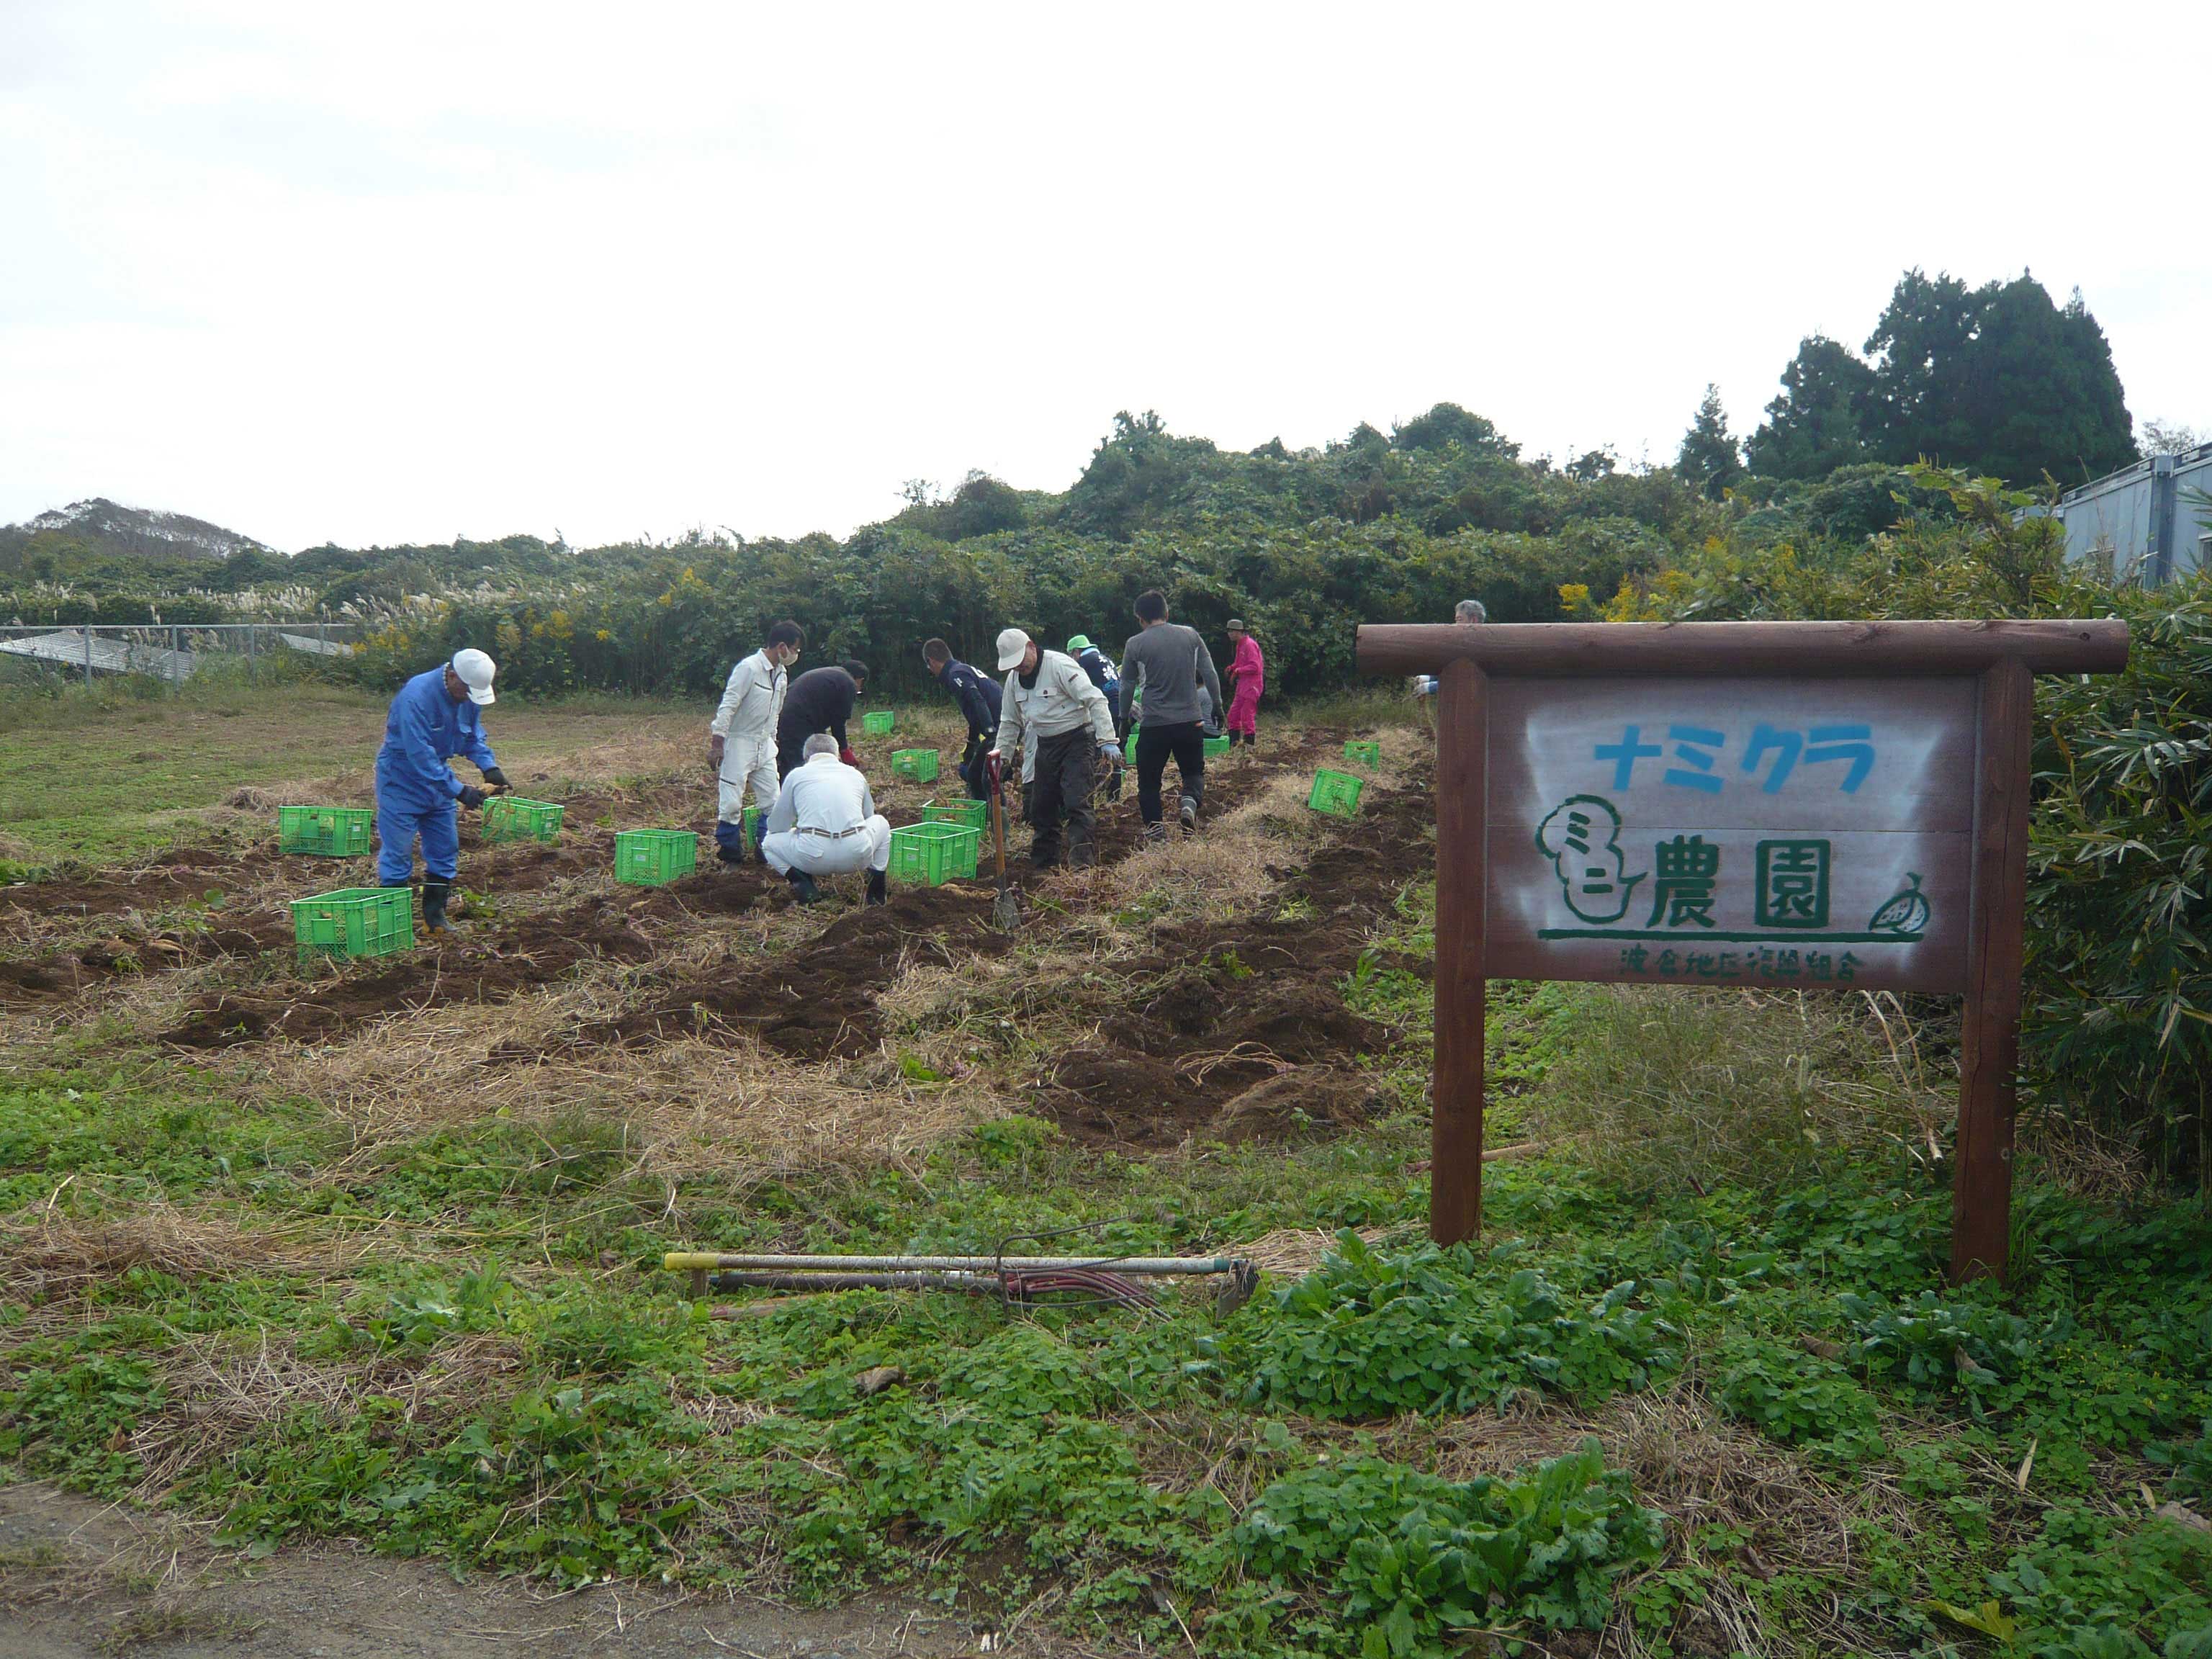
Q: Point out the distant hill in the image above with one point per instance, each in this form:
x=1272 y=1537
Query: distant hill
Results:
x=102 y=528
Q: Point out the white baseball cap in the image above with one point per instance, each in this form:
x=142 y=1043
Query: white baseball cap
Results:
x=1013 y=645
x=475 y=670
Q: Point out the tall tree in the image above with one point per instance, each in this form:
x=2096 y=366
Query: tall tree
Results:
x=1448 y=423
x=1997 y=379
x=1819 y=423
x=1708 y=458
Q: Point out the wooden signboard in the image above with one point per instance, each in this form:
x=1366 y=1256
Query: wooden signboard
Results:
x=1825 y=805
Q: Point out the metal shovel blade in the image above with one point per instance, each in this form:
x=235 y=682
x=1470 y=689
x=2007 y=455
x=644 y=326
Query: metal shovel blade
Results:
x=1007 y=908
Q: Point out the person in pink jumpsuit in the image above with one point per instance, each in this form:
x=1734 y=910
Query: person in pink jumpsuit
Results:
x=1248 y=672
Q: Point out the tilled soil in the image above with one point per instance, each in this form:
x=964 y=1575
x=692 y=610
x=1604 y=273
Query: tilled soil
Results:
x=1240 y=1028
x=816 y=1001
x=1223 y=1030
x=532 y=952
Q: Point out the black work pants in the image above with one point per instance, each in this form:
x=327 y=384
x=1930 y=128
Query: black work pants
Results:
x=1187 y=743
x=971 y=766
x=1067 y=767
x=790 y=756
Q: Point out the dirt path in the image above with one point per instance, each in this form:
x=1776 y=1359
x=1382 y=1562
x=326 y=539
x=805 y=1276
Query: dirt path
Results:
x=79 y=1577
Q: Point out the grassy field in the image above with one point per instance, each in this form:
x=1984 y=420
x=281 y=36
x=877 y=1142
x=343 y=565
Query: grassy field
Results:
x=372 y=1254
x=110 y=778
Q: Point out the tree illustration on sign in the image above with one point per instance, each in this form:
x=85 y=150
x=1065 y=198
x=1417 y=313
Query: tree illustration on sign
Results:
x=1582 y=837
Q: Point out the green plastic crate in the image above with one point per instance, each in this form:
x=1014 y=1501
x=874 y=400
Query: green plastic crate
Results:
x=879 y=723
x=1367 y=753
x=651 y=858
x=1335 y=793
x=510 y=817
x=1220 y=746
x=355 y=921
x=934 y=853
x=969 y=814
x=920 y=764
x=329 y=832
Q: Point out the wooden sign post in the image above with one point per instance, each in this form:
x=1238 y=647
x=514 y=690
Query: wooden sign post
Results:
x=1825 y=805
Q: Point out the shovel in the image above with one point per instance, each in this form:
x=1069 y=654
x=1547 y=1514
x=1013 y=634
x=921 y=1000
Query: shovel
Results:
x=1007 y=909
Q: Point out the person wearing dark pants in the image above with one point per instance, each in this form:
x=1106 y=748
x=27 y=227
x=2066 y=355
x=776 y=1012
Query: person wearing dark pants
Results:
x=1185 y=742
x=1049 y=698
x=979 y=705
x=1167 y=669
x=1067 y=773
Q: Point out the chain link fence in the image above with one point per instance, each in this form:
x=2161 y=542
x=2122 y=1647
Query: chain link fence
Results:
x=173 y=652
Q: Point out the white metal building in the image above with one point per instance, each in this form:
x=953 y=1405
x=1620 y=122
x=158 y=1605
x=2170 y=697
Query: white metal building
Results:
x=2153 y=520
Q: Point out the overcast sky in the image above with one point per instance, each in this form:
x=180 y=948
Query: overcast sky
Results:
x=398 y=273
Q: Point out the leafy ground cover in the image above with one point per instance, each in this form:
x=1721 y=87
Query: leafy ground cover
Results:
x=398 y=1284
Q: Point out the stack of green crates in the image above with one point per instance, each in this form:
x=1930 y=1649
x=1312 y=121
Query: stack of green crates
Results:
x=920 y=764
x=1335 y=793
x=330 y=832
x=652 y=858
x=1220 y=746
x=878 y=723
x=510 y=817
x=355 y=921
x=1366 y=754
x=934 y=853
x=971 y=814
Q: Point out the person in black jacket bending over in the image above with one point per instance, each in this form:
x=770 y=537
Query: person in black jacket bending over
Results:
x=820 y=700
x=978 y=697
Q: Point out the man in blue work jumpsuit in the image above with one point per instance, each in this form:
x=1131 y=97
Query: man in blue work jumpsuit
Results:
x=433 y=719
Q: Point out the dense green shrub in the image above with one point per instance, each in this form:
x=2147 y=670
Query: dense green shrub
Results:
x=1407 y=1559
x=1366 y=1334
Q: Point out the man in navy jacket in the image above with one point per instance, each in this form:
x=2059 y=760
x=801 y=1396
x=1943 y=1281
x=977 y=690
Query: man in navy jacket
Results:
x=978 y=697
x=433 y=719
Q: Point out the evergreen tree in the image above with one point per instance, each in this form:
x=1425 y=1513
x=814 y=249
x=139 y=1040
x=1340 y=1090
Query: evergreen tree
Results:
x=1709 y=458
x=1819 y=423
x=1996 y=379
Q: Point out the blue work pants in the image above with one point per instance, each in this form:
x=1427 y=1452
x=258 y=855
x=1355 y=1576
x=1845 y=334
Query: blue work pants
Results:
x=399 y=820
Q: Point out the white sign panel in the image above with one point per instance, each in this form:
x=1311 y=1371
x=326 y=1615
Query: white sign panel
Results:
x=1731 y=831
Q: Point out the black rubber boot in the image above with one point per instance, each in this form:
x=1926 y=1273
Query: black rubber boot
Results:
x=1156 y=834
x=802 y=886
x=1189 y=814
x=435 y=894
x=877 y=893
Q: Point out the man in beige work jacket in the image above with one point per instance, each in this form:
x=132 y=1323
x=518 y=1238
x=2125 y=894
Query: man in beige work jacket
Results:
x=1048 y=697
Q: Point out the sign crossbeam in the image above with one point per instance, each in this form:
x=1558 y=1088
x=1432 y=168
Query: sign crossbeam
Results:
x=1836 y=806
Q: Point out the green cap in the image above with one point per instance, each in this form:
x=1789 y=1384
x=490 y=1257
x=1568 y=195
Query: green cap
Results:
x=1080 y=642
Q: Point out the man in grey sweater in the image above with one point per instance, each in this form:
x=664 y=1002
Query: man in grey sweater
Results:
x=1165 y=665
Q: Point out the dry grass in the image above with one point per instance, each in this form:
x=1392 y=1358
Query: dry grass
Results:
x=1676 y=1089
x=49 y=1253
x=688 y=1107
x=2079 y=1158
x=222 y=1392
x=1215 y=874
x=1294 y=1252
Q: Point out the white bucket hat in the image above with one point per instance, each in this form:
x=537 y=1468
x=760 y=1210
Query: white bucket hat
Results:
x=474 y=670
x=1013 y=645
